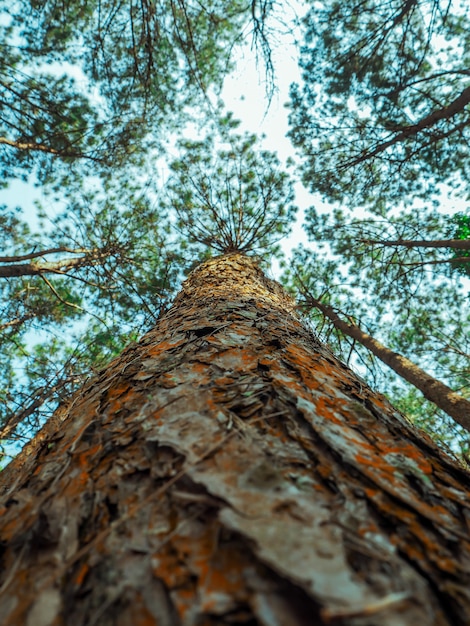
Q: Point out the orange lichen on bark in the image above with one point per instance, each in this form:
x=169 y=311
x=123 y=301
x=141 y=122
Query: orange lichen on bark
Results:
x=326 y=407
x=184 y=600
x=81 y=573
x=221 y=570
x=162 y=347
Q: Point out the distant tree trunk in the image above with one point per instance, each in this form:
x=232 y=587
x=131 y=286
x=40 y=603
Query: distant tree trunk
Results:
x=455 y=405
x=457 y=244
x=228 y=469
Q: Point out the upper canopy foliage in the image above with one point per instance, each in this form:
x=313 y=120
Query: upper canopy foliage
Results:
x=229 y=196
x=461 y=232
x=382 y=114
x=106 y=80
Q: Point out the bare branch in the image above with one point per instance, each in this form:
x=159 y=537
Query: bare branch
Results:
x=33 y=255
x=39 y=147
x=17 y=321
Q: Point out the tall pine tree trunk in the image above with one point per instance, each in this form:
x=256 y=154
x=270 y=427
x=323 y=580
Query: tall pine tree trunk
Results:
x=229 y=470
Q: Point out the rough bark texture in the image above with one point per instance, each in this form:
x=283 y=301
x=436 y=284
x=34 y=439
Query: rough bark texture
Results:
x=229 y=470
x=452 y=403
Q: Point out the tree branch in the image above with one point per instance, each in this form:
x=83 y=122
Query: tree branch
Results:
x=52 y=267
x=28 y=146
x=17 y=321
x=33 y=255
x=446 y=112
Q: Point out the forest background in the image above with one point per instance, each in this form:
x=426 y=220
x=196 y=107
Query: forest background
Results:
x=117 y=113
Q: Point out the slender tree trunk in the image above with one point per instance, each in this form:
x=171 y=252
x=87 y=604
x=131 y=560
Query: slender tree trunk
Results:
x=455 y=405
x=457 y=244
x=229 y=470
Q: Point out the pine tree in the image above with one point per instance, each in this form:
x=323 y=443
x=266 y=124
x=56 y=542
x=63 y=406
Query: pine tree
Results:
x=228 y=469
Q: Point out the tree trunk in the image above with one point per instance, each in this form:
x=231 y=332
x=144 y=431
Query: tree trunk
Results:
x=229 y=470
x=455 y=405
x=457 y=244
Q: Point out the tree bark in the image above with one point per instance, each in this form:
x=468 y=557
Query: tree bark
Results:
x=227 y=469
x=455 y=405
